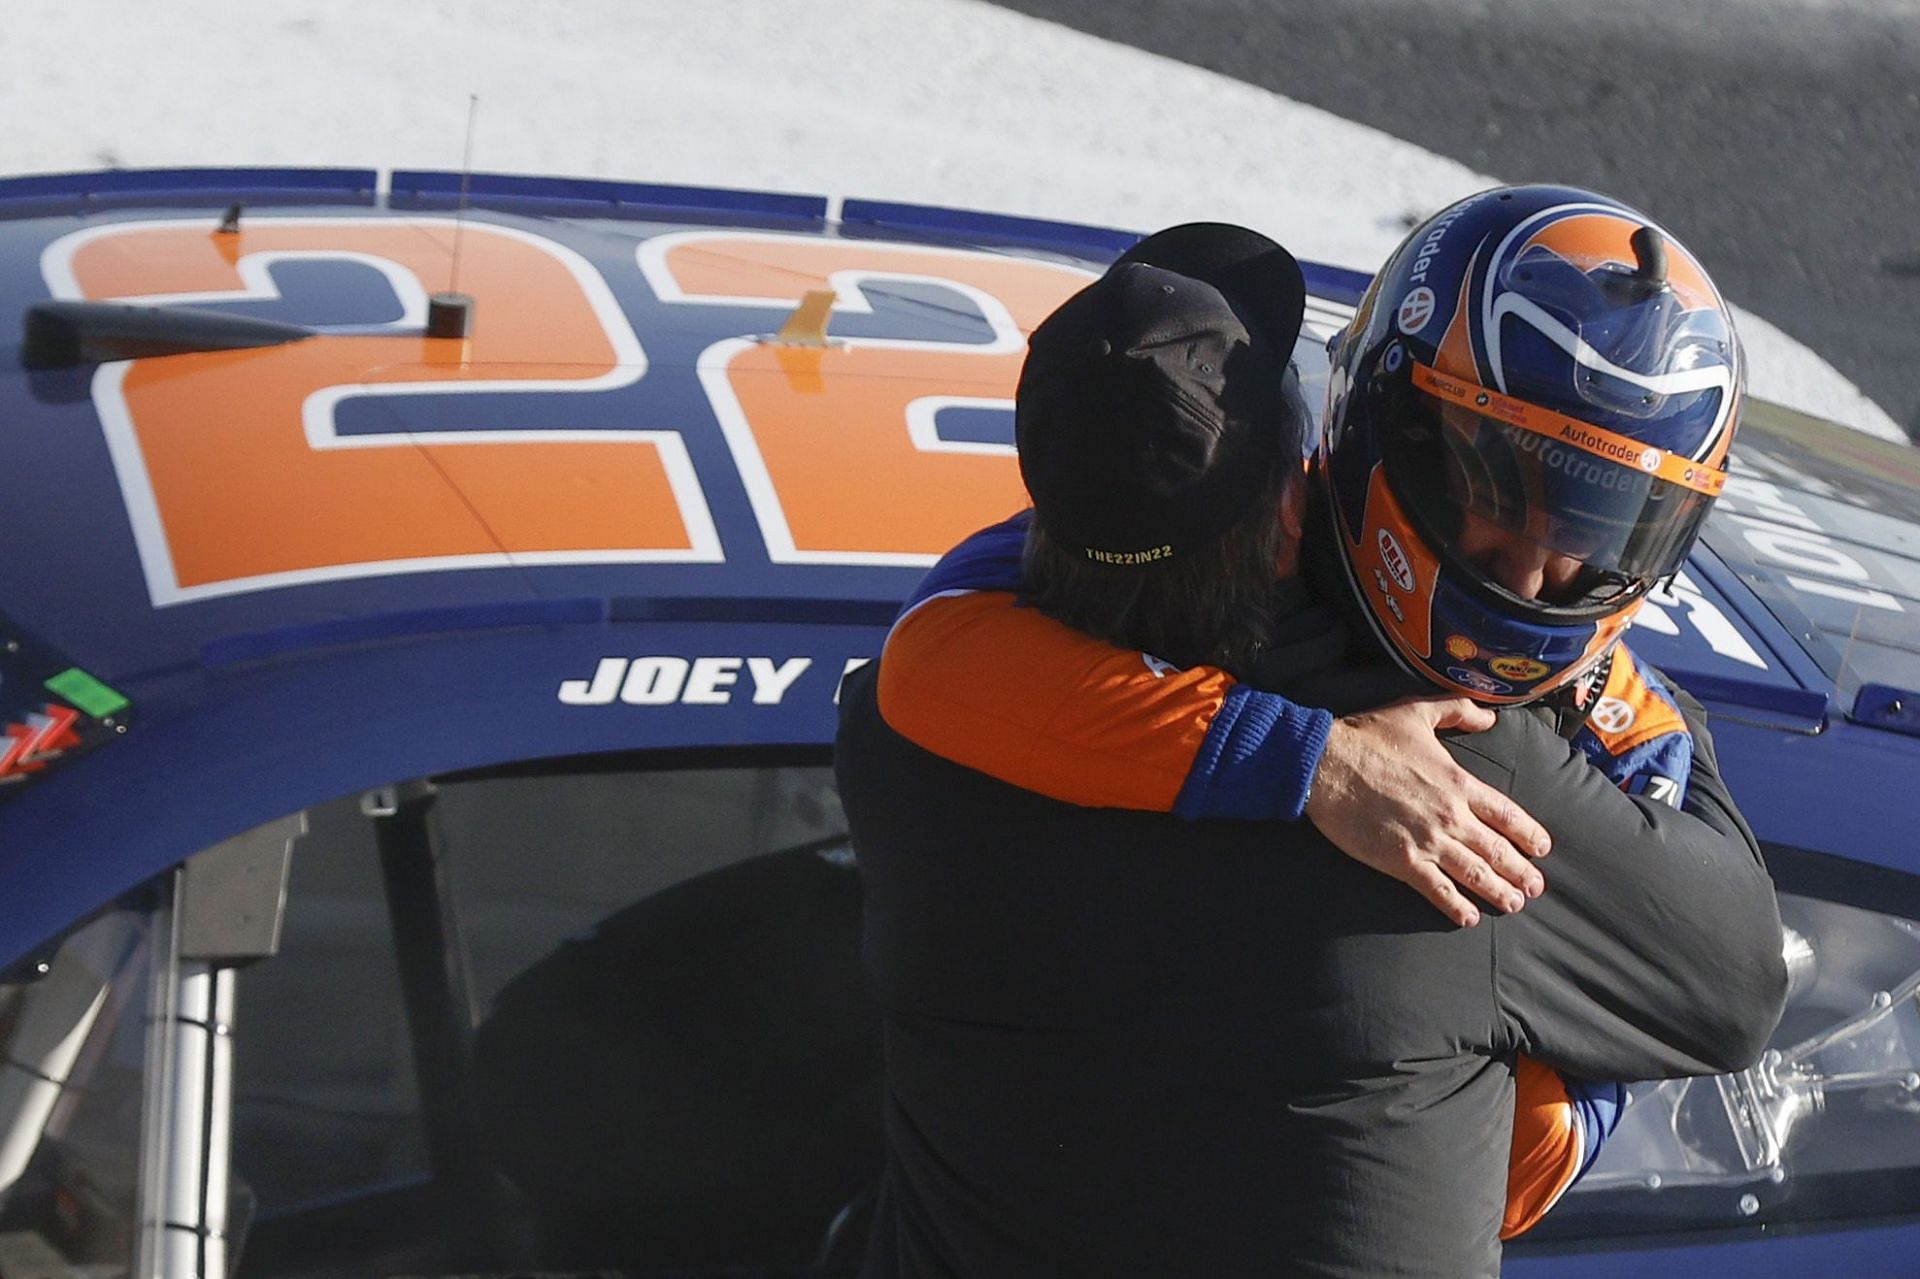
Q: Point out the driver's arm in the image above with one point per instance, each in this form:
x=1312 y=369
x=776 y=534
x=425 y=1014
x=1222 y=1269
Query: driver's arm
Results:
x=971 y=675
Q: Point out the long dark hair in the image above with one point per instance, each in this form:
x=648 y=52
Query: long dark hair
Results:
x=1213 y=607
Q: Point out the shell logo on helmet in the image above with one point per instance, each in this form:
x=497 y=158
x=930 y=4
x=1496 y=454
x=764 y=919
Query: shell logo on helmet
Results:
x=1577 y=403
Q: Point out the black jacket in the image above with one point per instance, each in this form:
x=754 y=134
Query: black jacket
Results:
x=1121 y=1044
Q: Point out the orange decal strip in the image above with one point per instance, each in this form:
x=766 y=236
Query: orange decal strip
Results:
x=1585 y=436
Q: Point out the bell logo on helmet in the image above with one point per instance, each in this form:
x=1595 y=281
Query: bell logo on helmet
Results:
x=1396 y=561
x=1415 y=310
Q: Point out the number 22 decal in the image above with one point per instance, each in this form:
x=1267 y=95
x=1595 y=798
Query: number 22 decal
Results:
x=240 y=472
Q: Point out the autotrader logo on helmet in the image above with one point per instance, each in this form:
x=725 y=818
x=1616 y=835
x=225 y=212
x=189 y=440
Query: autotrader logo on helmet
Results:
x=1549 y=439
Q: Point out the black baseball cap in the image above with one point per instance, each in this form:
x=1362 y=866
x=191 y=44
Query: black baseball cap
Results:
x=1152 y=406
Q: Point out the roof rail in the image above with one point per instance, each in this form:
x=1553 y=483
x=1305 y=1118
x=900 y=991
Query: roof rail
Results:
x=40 y=193
x=882 y=215
x=413 y=188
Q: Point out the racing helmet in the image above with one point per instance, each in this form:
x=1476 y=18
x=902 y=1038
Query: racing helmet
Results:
x=1536 y=369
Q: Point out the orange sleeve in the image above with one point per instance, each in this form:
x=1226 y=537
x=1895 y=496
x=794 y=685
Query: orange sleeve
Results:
x=1009 y=692
x=1547 y=1146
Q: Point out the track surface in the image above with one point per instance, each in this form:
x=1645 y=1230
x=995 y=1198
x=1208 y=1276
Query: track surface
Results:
x=1779 y=138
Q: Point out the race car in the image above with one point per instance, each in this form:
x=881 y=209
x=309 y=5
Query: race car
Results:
x=422 y=616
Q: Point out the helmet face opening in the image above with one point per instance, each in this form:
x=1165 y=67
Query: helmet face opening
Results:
x=1622 y=514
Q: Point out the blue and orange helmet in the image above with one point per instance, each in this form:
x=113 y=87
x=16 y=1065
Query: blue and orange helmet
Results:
x=1545 y=363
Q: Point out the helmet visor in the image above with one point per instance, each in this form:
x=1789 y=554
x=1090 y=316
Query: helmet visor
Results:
x=1625 y=511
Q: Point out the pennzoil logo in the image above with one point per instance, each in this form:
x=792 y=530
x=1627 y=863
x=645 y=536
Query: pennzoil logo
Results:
x=1395 y=559
x=1521 y=670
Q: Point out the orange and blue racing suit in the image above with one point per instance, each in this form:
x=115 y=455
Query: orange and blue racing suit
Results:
x=974 y=676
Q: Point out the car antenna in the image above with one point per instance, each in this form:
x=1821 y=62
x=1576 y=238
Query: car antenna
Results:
x=450 y=314
x=1650 y=257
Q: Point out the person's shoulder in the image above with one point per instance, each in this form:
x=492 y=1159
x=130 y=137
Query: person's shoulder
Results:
x=1344 y=687
x=988 y=560
x=1522 y=739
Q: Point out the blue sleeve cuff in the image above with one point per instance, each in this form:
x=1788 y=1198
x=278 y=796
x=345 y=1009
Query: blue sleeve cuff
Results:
x=1258 y=759
x=1598 y=1107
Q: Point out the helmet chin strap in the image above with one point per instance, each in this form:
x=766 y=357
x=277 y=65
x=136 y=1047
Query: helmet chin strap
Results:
x=1573 y=701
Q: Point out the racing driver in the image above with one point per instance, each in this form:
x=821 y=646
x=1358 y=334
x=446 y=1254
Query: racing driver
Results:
x=1118 y=1044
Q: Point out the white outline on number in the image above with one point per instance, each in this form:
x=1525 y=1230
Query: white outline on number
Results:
x=1708 y=622
x=847 y=296
x=317 y=412
x=923 y=425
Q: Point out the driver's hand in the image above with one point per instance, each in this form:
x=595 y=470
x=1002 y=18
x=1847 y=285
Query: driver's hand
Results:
x=1388 y=795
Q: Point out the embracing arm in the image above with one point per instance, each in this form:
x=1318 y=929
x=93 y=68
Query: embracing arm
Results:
x=1657 y=953
x=971 y=675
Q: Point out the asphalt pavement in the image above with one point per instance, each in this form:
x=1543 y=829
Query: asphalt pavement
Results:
x=1780 y=139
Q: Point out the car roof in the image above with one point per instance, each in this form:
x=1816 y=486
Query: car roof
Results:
x=643 y=505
